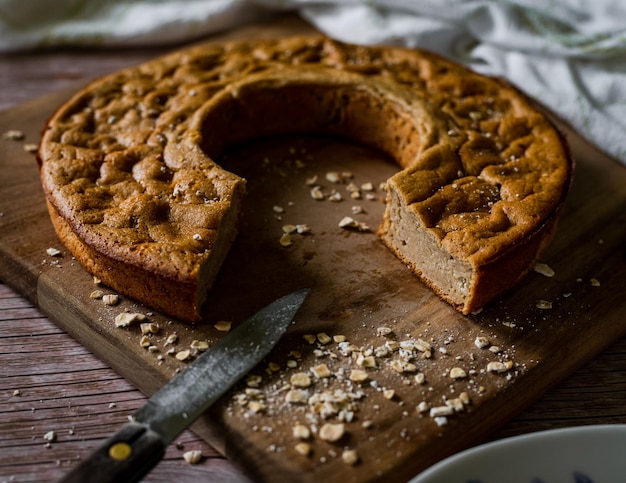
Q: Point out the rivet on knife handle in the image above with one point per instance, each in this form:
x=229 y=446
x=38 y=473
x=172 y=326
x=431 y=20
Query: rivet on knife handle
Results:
x=127 y=456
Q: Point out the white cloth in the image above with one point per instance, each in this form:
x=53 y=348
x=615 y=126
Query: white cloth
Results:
x=568 y=54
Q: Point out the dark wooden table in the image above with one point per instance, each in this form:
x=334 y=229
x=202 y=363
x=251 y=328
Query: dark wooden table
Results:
x=48 y=382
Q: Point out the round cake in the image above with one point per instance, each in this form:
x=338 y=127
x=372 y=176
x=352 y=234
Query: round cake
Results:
x=127 y=164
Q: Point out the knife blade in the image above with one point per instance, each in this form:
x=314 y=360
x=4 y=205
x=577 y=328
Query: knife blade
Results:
x=139 y=445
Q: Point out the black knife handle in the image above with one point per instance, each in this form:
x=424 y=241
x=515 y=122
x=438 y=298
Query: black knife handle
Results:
x=127 y=456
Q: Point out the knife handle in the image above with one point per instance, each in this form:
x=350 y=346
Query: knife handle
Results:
x=127 y=456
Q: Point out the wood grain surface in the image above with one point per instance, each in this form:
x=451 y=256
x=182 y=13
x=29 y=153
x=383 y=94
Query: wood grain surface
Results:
x=546 y=345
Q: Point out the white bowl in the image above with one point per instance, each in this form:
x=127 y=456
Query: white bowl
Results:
x=584 y=454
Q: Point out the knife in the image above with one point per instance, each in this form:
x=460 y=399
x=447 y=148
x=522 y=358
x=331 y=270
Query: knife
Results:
x=140 y=444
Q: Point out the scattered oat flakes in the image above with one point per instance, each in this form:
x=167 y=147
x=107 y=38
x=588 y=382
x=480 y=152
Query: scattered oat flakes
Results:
x=192 y=457
x=499 y=367
x=441 y=411
x=594 y=282
x=13 y=135
x=53 y=252
x=324 y=338
x=544 y=270
x=441 y=420
x=223 y=325
x=149 y=328
x=389 y=393
x=544 y=304
x=96 y=294
x=297 y=396
x=481 y=342
x=145 y=342
x=335 y=196
x=16 y=392
x=350 y=456
x=200 y=345
x=332 y=432
x=50 y=436
x=278 y=209
x=358 y=375
x=285 y=240
x=349 y=223
x=403 y=366
x=457 y=373
x=183 y=355
x=365 y=361
x=171 y=339
x=310 y=338
x=303 y=448
x=334 y=177
x=300 y=379
x=126 y=318
x=321 y=371
x=288 y=229
x=300 y=431
x=256 y=406
x=316 y=193
x=110 y=299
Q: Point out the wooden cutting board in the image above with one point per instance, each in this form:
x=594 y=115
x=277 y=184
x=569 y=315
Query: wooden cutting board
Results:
x=360 y=291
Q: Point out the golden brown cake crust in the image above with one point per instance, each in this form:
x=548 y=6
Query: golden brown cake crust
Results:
x=127 y=164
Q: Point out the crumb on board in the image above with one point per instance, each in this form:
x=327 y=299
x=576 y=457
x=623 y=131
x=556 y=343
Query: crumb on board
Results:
x=13 y=135
x=192 y=457
x=53 y=252
x=126 y=319
x=223 y=325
